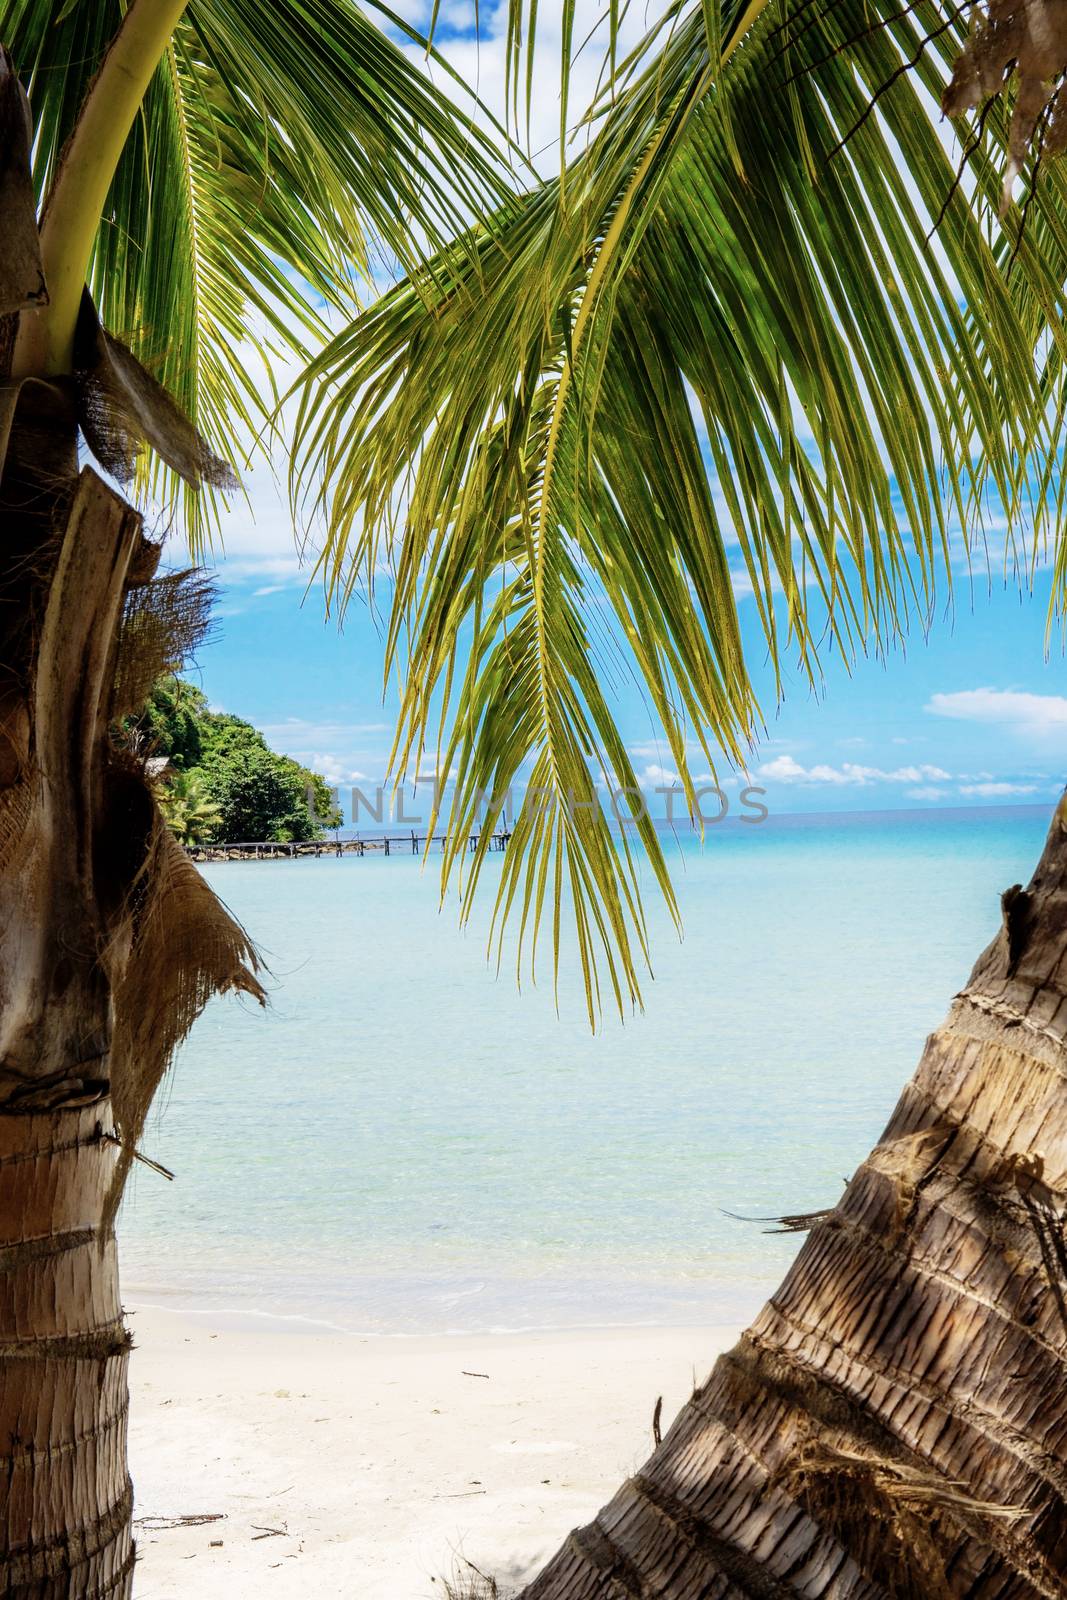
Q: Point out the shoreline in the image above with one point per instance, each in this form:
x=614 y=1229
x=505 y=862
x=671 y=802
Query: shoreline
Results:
x=451 y=1305
x=271 y=1462
x=253 y=1321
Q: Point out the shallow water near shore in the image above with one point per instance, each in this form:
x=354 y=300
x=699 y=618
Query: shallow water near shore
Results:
x=403 y=1143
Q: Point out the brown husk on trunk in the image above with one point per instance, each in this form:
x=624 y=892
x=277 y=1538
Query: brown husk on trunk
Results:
x=894 y=1423
x=110 y=941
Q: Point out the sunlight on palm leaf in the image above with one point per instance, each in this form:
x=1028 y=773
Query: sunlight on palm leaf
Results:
x=723 y=330
x=280 y=143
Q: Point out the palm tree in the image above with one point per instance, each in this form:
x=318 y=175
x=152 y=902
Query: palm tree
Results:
x=188 y=809
x=193 y=182
x=195 y=172
x=760 y=311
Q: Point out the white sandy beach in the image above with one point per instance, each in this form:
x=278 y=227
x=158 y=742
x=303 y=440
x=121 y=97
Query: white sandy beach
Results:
x=347 y=1467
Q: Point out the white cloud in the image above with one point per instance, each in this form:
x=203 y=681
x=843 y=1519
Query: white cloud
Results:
x=335 y=770
x=785 y=769
x=655 y=776
x=481 y=61
x=344 y=752
x=912 y=774
x=923 y=781
x=742 y=585
x=1031 y=713
x=992 y=789
x=655 y=750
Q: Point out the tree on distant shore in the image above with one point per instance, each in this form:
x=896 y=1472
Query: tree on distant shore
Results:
x=169 y=722
x=256 y=788
x=258 y=795
x=254 y=792
x=188 y=808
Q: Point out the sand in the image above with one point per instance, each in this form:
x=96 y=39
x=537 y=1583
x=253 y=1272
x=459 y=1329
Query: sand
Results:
x=369 y=1469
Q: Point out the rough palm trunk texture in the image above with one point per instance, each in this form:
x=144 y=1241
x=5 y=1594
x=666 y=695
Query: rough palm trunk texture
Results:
x=894 y=1423
x=66 y=544
x=110 y=945
x=65 y=1493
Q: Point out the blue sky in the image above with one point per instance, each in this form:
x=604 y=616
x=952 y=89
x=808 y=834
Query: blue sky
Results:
x=976 y=715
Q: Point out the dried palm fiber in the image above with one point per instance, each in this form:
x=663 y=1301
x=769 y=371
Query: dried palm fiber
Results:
x=38 y=462
x=122 y=407
x=38 y=478
x=14 y=767
x=34 y=496
x=16 y=801
x=1047 y=1220
x=163 y=943
x=913 y=1362
x=164 y=621
x=887 y=1513
x=1025 y=40
x=14 y=735
x=21 y=278
x=175 y=946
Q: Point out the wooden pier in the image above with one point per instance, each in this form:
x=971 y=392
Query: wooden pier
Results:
x=385 y=844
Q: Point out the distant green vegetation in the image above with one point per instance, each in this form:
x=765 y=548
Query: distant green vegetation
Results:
x=225 y=783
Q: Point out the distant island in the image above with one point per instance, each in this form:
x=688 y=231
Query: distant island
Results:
x=219 y=782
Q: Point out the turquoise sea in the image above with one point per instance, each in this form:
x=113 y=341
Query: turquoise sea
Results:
x=404 y=1143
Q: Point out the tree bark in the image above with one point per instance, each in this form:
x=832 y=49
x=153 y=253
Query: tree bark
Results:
x=68 y=1500
x=67 y=542
x=894 y=1423
x=110 y=946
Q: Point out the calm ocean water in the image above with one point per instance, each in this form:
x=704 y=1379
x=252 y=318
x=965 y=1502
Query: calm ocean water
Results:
x=403 y=1143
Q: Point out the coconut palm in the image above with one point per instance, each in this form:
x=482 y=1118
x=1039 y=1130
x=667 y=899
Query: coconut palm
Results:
x=188 y=809
x=196 y=177
x=761 y=312
x=187 y=193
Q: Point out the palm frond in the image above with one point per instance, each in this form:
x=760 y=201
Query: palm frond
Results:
x=281 y=145
x=723 y=344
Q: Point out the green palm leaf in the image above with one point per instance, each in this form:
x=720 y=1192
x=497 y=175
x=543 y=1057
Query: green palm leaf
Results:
x=281 y=143
x=723 y=336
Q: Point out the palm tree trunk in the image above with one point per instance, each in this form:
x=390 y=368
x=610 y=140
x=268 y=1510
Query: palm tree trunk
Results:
x=68 y=1500
x=67 y=543
x=894 y=1423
